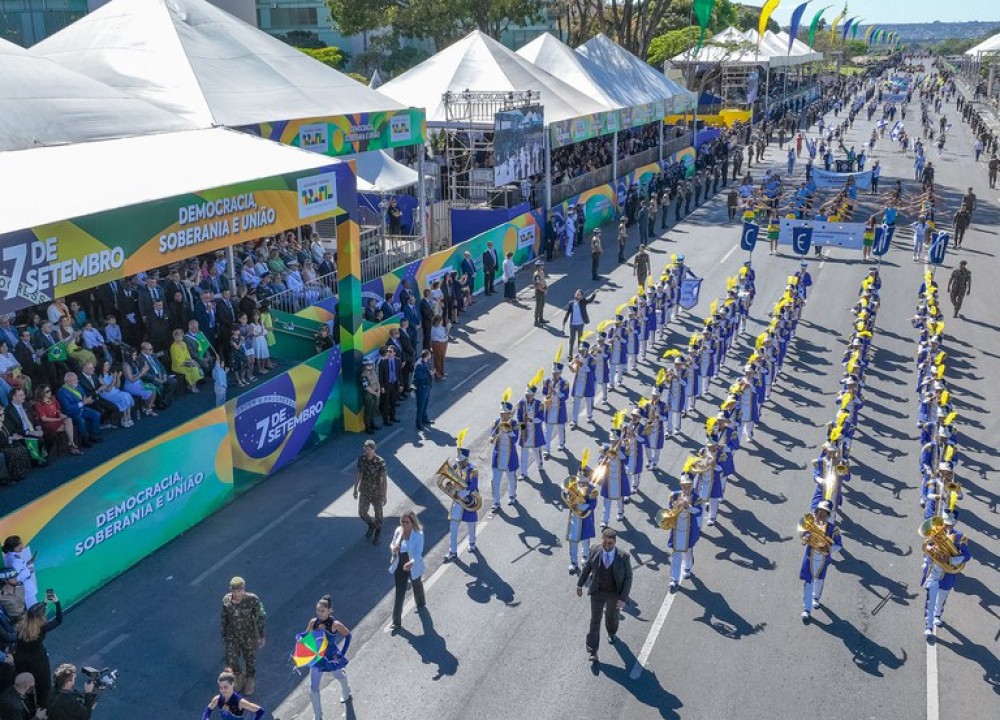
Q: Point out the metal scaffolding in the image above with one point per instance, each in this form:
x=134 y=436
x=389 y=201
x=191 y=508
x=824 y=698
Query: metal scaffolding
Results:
x=469 y=141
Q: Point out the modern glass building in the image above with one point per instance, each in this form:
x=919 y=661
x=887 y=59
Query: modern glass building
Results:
x=26 y=22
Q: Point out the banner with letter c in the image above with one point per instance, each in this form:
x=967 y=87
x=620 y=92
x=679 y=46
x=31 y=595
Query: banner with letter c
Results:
x=823 y=234
x=690 y=289
x=748 y=238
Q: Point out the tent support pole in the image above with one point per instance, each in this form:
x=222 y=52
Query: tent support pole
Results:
x=422 y=199
x=614 y=157
x=548 y=173
x=231 y=258
x=661 y=143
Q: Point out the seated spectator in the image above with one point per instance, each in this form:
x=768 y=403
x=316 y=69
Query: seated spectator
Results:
x=10 y=369
x=76 y=404
x=133 y=383
x=183 y=364
x=248 y=276
x=77 y=315
x=53 y=421
x=15 y=455
x=113 y=332
x=110 y=391
x=199 y=347
x=23 y=429
x=323 y=341
x=164 y=383
x=89 y=385
x=94 y=341
x=77 y=353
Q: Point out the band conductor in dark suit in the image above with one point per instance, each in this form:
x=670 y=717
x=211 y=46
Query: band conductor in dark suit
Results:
x=610 y=575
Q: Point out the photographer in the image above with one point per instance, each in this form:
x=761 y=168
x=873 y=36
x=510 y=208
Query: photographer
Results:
x=67 y=704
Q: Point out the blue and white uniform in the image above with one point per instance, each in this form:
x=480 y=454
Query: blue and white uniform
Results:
x=459 y=513
x=505 y=460
x=616 y=486
x=555 y=390
x=584 y=388
x=684 y=536
x=580 y=530
x=939 y=583
x=814 y=566
x=530 y=415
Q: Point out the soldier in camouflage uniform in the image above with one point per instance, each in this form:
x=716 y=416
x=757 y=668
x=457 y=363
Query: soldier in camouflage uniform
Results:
x=372 y=392
x=370 y=487
x=243 y=620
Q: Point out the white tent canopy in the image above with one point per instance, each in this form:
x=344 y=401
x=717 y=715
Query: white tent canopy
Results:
x=729 y=46
x=379 y=173
x=559 y=59
x=989 y=45
x=479 y=63
x=46 y=104
x=630 y=70
x=799 y=48
x=145 y=169
x=200 y=62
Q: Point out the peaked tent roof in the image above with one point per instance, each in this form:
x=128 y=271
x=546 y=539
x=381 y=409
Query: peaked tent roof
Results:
x=559 y=59
x=799 y=47
x=46 y=104
x=714 y=52
x=622 y=64
x=478 y=62
x=379 y=172
x=990 y=44
x=200 y=62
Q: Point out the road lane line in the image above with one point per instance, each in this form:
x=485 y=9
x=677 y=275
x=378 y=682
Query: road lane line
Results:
x=654 y=631
x=933 y=709
x=463 y=548
x=471 y=375
x=525 y=337
x=250 y=540
x=726 y=256
x=113 y=644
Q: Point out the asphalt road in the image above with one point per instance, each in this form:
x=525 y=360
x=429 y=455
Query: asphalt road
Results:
x=504 y=637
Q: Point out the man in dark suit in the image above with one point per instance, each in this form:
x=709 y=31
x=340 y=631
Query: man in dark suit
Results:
x=610 y=575
x=27 y=357
x=400 y=342
x=89 y=384
x=128 y=317
x=491 y=261
x=158 y=327
x=426 y=319
x=166 y=384
x=226 y=318
x=469 y=273
x=76 y=405
x=44 y=339
x=216 y=282
x=389 y=374
x=148 y=296
x=107 y=297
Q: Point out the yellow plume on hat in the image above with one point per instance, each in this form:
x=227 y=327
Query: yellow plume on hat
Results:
x=835 y=434
x=728 y=403
x=695 y=339
x=643 y=402
x=618 y=420
x=793 y=280
x=753 y=356
x=661 y=376
x=761 y=339
x=949 y=453
x=712 y=307
x=634 y=301
x=620 y=310
x=585 y=458
x=940 y=357
x=848 y=396
x=689 y=463
x=940 y=372
x=743 y=271
x=945 y=397
x=841 y=419
x=672 y=352
x=506 y=395
x=537 y=380
x=604 y=324
x=710 y=424
x=558 y=353
x=864 y=334
x=460 y=437
x=731 y=283
x=641 y=291
x=949 y=418
x=673 y=257
x=583 y=338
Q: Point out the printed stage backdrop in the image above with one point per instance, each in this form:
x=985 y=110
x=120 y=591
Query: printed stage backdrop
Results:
x=97 y=526
x=347 y=134
x=272 y=424
x=53 y=260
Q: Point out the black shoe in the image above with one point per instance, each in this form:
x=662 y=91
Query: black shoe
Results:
x=370 y=532
x=378 y=536
x=592 y=657
x=612 y=639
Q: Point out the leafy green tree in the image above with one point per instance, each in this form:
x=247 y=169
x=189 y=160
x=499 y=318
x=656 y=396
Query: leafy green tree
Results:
x=302 y=39
x=327 y=55
x=748 y=18
x=672 y=43
x=680 y=14
x=442 y=21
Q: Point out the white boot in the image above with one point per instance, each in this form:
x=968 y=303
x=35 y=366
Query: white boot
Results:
x=345 y=688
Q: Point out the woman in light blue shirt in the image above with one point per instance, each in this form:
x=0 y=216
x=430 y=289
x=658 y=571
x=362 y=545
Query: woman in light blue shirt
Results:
x=407 y=564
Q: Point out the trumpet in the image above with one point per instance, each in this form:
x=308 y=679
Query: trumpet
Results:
x=937 y=546
x=452 y=484
x=818 y=540
x=666 y=519
x=575 y=492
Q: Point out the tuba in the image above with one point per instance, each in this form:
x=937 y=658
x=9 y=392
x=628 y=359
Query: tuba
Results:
x=666 y=519
x=938 y=547
x=452 y=484
x=818 y=540
x=575 y=492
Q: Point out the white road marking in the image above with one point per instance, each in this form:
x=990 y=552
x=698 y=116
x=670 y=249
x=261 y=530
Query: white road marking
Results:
x=726 y=256
x=471 y=375
x=654 y=631
x=933 y=708
x=250 y=540
x=463 y=548
x=525 y=337
x=113 y=644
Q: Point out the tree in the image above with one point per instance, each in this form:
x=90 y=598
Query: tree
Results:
x=388 y=56
x=327 y=55
x=442 y=21
x=631 y=23
x=748 y=18
x=954 y=46
x=680 y=14
x=670 y=44
x=302 y=39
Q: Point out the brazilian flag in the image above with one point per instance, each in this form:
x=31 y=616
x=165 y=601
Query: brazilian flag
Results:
x=58 y=352
x=203 y=345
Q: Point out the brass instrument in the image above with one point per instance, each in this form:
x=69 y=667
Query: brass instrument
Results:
x=818 y=540
x=575 y=491
x=666 y=519
x=547 y=403
x=574 y=365
x=937 y=546
x=452 y=484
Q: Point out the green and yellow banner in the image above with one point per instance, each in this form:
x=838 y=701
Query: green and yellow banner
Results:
x=347 y=134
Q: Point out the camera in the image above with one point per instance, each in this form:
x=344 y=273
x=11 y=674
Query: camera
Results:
x=104 y=679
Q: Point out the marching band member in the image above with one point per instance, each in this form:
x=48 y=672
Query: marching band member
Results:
x=653 y=411
x=680 y=272
x=634 y=441
x=821 y=539
x=691 y=388
x=462 y=505
x=685 y=531
x=642 y=317
x=615 y=485
x=602 y=364
x=748 y=412
x=675 y=397
x=334 y=661
x=505 y=438
x=937 y=580
x=633 y=337
x=583 y=388
x=706 y=366
x=662 y=304
x=580 y=526
x=529 y=417
x=804 y=281
x=716 y=473
x=555 y=390
x=651 y=320
x=619 y=350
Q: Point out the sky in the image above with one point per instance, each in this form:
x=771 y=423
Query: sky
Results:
x=893 y=11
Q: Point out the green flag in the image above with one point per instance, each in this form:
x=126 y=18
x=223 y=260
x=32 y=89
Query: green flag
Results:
x=57 y=352
x=815 y=24
x=703 y=11
x=203 y=345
